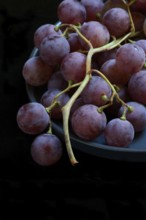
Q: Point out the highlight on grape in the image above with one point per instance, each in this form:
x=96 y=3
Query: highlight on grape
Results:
x=93 y=66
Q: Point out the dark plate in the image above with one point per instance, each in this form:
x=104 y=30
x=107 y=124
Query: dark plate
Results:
x=135 y=152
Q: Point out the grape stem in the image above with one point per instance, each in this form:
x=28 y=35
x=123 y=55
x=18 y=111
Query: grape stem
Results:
x=66 y=108
x=114 y=94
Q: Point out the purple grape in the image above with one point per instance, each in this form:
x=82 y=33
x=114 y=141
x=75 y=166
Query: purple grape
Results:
x=32 y=118
x=73 y=67
x=46 y=149
x=87 y=123
x=78 y=103
x=96 y=33
x=137 y=117
x=74 y=42
x=137 y=87
x=95 y=89
x=53 y=49
x=119 y=133
x=117 y=21
x=36 y=72
x=42 y=32
x=130 y=58
x=115 y=76
x=47 y=99
x=142 y=44
x=93 y=7
x=57 y=81
x=71 y=12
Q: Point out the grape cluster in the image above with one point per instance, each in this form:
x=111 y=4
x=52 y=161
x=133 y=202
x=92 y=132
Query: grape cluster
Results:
x=93 y=66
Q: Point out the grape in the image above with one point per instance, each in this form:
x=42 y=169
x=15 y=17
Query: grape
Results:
x=137 y=87
x=32 y=118
x=78 y=102
x=137 y=117
x=138 y=20
x=119 y=133
x=46 y=149
x=96 y=33
x=87 y=123
x=73 y=67
x=42 y=32
x=71 y=12
x=130 y=58
x=93 y=7
x=142 y=44
x=115 y=76
x=53 y=49
x=117 y=21
x=95 y=89
x=91 y=35
x=139 y=5
x=36 y=72
x=74 y=42
x=48 y=97
x=57 y=81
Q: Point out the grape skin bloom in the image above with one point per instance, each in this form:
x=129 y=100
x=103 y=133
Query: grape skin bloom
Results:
x=46 y=149
x=96 y=33
x=53 y=49
x=32 y=118
x=119 y=133
x=117 y=21
x=87 y=123
x=71 y=12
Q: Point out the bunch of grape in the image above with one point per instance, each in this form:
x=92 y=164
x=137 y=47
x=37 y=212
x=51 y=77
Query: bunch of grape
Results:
x=92 y=64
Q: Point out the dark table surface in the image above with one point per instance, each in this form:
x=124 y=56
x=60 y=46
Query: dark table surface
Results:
x=99 y=187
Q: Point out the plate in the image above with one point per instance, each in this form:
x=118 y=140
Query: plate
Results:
x=135 y=152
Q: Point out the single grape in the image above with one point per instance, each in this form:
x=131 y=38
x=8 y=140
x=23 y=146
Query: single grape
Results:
x=93 y=7
x=119 y=133
x=142 y=44
x=74 y=42
x=115 y=76
x=96 y=33
x=87 y=123
x=32 y=118
x=137 y=117
x=130 y=58
x=137 y=87
x=57 y=81
x=36 y=72
x=73 y=67
x=117 y=21
x=44 y=31
x=71 y=12
x=53 y=49
x=95 y=90
x=47 y=99
x=46 y=149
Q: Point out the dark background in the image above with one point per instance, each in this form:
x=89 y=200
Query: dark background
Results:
x=99 y=188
